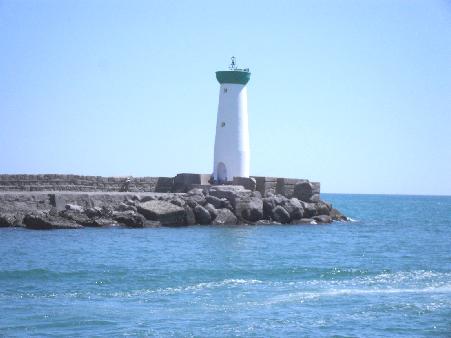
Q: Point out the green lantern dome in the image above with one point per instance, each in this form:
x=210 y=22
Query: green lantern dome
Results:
x=237 y=76
x=234 y=75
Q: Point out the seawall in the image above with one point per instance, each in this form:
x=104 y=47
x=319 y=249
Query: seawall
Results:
x=179 y=183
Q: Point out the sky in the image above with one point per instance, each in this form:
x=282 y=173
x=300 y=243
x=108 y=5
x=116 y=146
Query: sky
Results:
x=354 y=94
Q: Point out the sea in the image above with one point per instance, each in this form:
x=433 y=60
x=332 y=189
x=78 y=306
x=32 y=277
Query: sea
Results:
x=387 y=273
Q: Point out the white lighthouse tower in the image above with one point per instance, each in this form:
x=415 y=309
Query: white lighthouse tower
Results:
x=232 y=153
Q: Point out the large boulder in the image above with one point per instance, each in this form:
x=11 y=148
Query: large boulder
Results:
x=322 y=219
x=43 y=221
x=272 y=201
x=125 y=206
x=7 y=220
x=309 y=209
x=294 y=208
x=212 y=210
x=178 y=201
x=231 y=192
x=249 y=208
x=225 y=217
x=246 y=182
x=217 y=202
x=74 y=207
x=133 y=220
x=190 y=217
x=203 y=216
x=195 y=197
x=322 y=208
x=99 y=212
x=337 y=215
x=268 y=205
x=307 y=191
x=163 y=211
x=281 y=215
x=75 y=216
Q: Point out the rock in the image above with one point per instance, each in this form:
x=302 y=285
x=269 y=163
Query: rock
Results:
x=337 y=215
x=322 y=208
x=225 y=217
x=251 y=208
x=45 y=222
x=76 y=216
x=246 y=182
x=179 y=202
x=129 y=201
x=202 y=215
x=106 y=211
x=309 y=209
x=196 y=191
x=281 y=215
x=280 y=199
x=323 y=219
x=230 y=192
x=125 y=207
x=257 y=194
x=268 y=205
x=73 y=207
x=212 y=210
x=92 y=217
x=99 y=222
x=294 y=208
x=163 y=211
x=307 y=191
x=314 y=198
x=266 y=222
x=93 y=212
x=7 y=220
x=130 y=219
x=190 y=218
x=137 y=198
x=328 y=205
x=218 y=203
x=304 y=221
x=144 y=198
x=99 y=212
x=194 y=199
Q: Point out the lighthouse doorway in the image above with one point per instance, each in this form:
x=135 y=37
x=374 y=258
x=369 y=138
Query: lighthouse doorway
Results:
x=222 y=173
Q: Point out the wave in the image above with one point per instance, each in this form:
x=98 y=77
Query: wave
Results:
x=329 y=283
x=301 y=296
x=38 y=274
x=208 y=285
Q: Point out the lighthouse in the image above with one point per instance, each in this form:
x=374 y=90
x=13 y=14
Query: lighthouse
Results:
x=232 y=153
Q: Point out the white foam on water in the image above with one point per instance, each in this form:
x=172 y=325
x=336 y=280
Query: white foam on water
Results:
x=307 y=295
x=211 y=285
x=199 y=287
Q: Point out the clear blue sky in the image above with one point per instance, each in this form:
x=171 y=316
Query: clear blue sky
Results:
x=355 y=94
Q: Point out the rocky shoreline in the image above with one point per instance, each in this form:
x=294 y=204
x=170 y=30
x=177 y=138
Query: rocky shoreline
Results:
x=217 y=205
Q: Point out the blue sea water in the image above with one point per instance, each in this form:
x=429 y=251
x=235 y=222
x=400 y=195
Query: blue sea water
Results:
x=386 y=274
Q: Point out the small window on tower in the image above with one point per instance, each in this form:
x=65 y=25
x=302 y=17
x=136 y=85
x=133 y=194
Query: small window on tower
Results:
x=223 y=124
x=225 y=90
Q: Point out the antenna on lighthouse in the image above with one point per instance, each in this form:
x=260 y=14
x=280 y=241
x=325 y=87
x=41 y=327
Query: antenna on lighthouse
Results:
x=233 y=64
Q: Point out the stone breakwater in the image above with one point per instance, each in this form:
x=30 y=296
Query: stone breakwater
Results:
x=210 y=205
x=287 y=187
